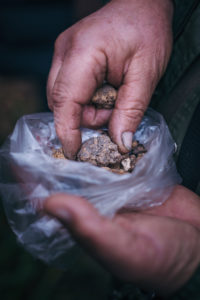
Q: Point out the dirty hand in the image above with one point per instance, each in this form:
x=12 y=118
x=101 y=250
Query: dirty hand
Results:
x=157 y=249
x=128 y=44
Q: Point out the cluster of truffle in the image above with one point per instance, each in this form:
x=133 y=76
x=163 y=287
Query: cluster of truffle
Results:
x=101 y=151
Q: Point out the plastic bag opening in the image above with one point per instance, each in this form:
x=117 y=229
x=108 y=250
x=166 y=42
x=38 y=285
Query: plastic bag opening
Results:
x=29 y=174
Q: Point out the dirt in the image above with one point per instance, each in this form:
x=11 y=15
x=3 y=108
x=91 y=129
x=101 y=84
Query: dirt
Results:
x=102 y=152
x=104 y=97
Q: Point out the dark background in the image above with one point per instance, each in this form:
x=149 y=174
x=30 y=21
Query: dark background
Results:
x=28 y=30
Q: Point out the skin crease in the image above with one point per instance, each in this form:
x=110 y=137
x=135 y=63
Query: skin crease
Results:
x=128 y=43
x=157 y=249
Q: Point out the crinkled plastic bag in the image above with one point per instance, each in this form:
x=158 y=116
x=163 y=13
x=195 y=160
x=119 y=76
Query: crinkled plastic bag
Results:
x=29 y=174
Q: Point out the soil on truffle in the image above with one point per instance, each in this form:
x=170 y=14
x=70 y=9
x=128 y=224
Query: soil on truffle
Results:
x=105 y=97
x=102 y=152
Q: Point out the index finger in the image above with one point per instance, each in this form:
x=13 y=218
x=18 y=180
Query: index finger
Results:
x=75 y=84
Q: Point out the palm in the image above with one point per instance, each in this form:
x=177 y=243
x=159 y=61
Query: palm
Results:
x=159 y=251
x=156 y=249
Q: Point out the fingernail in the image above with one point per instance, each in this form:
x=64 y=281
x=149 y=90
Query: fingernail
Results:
x=66 y=150
x=63 y=215
x=127 y=139
x=69 y=155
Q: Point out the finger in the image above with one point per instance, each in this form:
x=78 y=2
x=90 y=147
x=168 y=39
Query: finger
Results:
x=75 y=84
x=93 y=231
x=119 y=246
x=132 y=247
x=59 y=52
x=95 y=118
x=182 y=204
x=133 y=98
x=53 y=73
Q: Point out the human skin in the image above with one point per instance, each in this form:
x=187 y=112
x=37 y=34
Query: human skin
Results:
x=156 y=249
x=127 y=43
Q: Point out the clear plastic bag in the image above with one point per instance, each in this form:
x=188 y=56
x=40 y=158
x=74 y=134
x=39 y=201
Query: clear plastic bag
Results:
x=29 y=174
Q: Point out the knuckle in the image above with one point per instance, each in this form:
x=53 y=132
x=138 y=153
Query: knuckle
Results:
x=136 y=112
x=79 y=40
x=77 y=37
x=132 y=112
x=81 y=31
x=59 y=94
x=59 y=40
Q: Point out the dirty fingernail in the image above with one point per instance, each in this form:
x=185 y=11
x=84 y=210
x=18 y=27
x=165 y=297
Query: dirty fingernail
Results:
x=127 y=139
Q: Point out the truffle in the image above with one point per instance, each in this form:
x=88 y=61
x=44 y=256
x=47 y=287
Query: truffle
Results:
x=58 y=153
x=100 y=151
x=105 y=97
x=138 y=148
x=128 y=164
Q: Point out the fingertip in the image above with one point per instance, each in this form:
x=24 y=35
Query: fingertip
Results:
x=77 y=213
x=126 y=117
x=71 y=144
x=68 y=132
x=121 y=132
x=58 y=206
x=127 y=139
x=51 y=203
x=73 y=203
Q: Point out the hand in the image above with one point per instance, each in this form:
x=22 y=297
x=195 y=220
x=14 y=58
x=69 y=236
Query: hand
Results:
x=157 y=249
x=128 y=43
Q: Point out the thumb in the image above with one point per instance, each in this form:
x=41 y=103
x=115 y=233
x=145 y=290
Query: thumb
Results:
x=118 y=244
x=133 y=98
x=83 y=221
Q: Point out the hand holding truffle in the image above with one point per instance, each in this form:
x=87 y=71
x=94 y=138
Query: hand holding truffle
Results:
x=128 y=44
